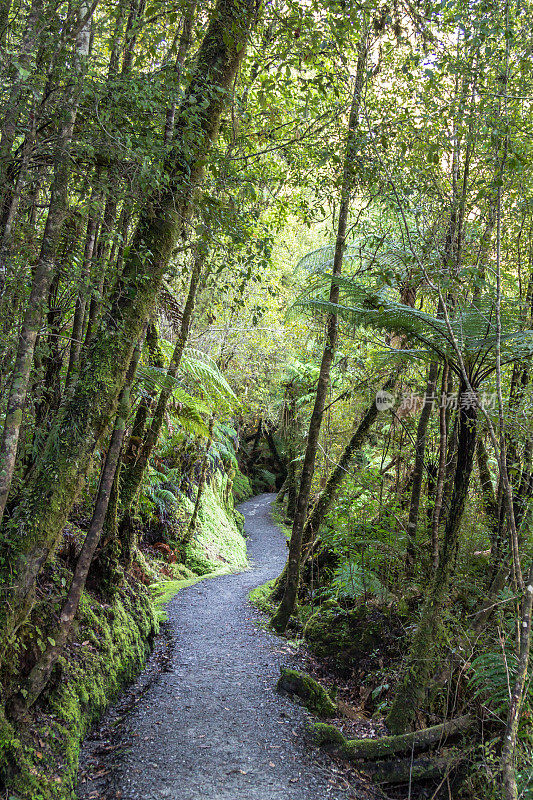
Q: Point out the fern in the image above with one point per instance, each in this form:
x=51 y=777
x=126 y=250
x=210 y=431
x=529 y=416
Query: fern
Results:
x=212 y=382
x=492 y=679
x=351 y=580
x=473 y=328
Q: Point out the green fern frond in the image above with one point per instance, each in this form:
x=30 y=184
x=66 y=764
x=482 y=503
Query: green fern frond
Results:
x=473 y=328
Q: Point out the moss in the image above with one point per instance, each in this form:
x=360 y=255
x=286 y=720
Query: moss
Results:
x=279 y=518
x=327 y=734
x=260 y=597
x=217 y=542
x=110 y=649
x=314 y=696
x=242 y=488
x=357 y=636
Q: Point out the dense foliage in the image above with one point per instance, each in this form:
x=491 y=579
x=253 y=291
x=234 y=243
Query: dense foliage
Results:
x=285 y=247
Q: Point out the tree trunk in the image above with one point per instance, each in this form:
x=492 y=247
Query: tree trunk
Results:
x=81 y=300
x=51 y=488
x=103 y=250
x=441 y=470
x=183 y=47
x=418 y=470
x=420 y=664
x=40 y=674
x=327 y=496
x=490 y=505
x=131 y=480
x=201 y=483
x=281 y=617
x=509 y=788
x=43 y=273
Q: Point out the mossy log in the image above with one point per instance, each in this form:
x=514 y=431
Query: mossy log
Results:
x=417 y=740
x=314 y=696
x=418 y=769
x=370 y=749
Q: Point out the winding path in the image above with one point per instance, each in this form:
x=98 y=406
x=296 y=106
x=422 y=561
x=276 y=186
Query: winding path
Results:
x=211 y=726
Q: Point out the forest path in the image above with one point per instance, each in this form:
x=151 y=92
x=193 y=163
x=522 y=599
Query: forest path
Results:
x=211 y=726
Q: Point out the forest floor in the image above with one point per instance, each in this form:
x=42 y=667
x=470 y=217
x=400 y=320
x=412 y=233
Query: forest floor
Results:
x=204 y=721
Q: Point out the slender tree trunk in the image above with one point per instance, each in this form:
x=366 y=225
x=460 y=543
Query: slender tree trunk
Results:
x=183 y=47
x=5 y=10
x=509 y=787
x=81 y=300
x=43 y=273
x=291 y=438
x=490 y=504
x=35 y=526
x=201 y=483
x=12 y=202
x=13 y=105
x=420 y=660
x=328 y=494
x=132 y=31
x=101 y=260
x=281 y=617
x=52 y=362
x=441 y=470
x=133 y=473
x=257 y=438
x=418 y=470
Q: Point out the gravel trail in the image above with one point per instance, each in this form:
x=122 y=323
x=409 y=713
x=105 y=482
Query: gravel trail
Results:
x=211 y=726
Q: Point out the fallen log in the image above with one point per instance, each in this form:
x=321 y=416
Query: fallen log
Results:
x=313 y=695
x=406 y=769
x=371 y=749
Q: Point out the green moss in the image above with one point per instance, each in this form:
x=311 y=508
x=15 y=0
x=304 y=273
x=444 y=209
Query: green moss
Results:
x=217 y=542
x=260 y=597
x=279 y=518
x=313 y=695
x=347 y=636
x=242 y=488
x=327 y=734
x=110 y=649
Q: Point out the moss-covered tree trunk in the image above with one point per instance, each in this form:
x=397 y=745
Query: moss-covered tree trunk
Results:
x=420 y=659
x=35 y=526
x=134 y=471
x=40 y=674
x=44 y=270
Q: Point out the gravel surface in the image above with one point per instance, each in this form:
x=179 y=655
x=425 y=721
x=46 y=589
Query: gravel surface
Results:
x=210 y=725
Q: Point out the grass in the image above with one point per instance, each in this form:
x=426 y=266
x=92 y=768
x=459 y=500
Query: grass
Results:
x=260 y=597
x=165 y=591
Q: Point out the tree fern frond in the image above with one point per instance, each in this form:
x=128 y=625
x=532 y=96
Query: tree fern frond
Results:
x=473 y=328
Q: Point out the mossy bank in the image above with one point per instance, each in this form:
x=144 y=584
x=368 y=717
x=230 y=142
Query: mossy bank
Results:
x=110 y=646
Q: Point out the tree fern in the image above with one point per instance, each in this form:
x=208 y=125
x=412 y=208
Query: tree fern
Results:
x=473 y=328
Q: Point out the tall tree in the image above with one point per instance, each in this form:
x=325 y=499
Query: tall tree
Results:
x=290 y=593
